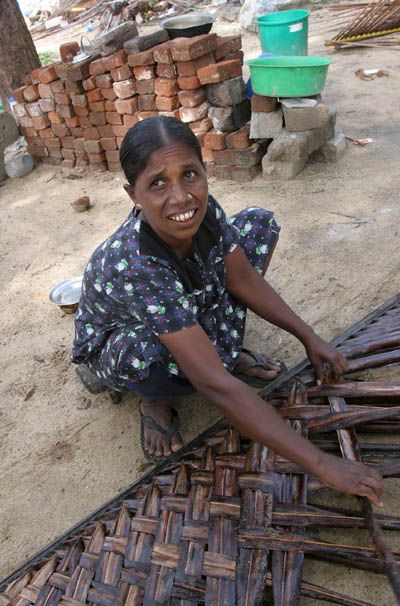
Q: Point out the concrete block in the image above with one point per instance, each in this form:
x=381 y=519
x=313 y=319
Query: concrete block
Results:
x=299 y=119
x=139 y=44
x=227 y=119
x=241 y=174
x=229 y=92
x=333 y=150
x=282 y=170
x=8 y=134
x=266 y=125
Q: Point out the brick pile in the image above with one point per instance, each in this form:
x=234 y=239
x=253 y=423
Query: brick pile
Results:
x=78 y=114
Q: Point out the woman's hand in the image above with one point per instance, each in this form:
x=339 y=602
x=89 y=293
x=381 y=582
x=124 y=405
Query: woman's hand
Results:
x=320 y=353
x=352 y=478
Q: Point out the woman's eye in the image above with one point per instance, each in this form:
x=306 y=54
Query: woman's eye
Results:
x=157 y=183
x=189 y=174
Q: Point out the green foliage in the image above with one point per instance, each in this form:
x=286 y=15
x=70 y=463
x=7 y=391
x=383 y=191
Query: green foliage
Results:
x=45 y=58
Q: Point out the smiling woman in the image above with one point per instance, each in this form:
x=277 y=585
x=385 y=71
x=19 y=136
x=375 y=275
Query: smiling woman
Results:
x=164 y=301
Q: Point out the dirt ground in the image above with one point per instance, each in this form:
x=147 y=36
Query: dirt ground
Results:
x=63 y=452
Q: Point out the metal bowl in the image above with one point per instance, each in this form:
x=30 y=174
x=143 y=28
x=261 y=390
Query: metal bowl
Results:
x=187 y=26
x=67 y=294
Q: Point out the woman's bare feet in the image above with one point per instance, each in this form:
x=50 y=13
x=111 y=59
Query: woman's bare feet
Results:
x=155 y=443
x=271 y=369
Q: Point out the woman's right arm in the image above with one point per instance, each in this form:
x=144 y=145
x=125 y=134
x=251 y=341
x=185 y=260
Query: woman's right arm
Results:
x=256 y=419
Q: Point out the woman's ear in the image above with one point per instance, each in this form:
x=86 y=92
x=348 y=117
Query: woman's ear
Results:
x=129 y=190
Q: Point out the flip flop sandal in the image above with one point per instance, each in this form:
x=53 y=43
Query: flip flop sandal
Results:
x=150 y=423
x=257 y=361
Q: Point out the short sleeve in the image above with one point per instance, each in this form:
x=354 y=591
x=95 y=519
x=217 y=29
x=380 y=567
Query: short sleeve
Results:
x=158 y=299
x=230 y=236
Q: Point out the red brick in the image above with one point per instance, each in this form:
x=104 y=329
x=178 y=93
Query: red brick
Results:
x=79 y=71
x=79 y=144
x=120 y=131
x=47 y=105
x=109 y=144
x=85 y=120
x=240 y=157
x=201 y=126
x=34 y=110
x=121 y=73
x=189 y=68
x=98 y=118
x=119 y=142
x=192 y=98
x=227 y=45
x=52 y=161
x=214 y=140
x=208 y=154
x=67 y=142
x=193 y=114
x=200 y=138
x=237 y=173
x=72 y=122
x=143 y=58
x=77 y=132
x=112 y=156
x=25 y=121
x=55 y=152
x=94 y=95
x=225 y=70
x=239 y=55
x=34 y=76
x=166 y=70
x=46 y=133
x=54 y=118
x=62 y=99
x=79 y=100
x=40 y=122
x=45 y=91
x=125 y=88
x=38 y=151
x=114 y=167
x=259 y=103
x=65 y=111
x=109 y=106
x=29 y=131
x=92 y=146
x=239 y=139
x=113 y=118
x=97 y=106
x=130 y=120
x=68 y=50
x=67 y=163
x=60 y=130
x=57 y=86
x=18 y=94
x=145 y=87
x=115 y=60
x=47 y=74
x=146 y=103
x=173 y=114
x=89 y=83
x=81 y=154
x=144 y=72
x=166 y=104
x=188 y=82
x=81 y=163
x=109 y=94
x=165 y=87
x=31 y=93
x=162 y=52
x=187 y=49
x=91 y=133
x=106 y=131
x=53 y=143
x=144 y=115
x=73 y=88
x=95 y=158
x=81 y=111
x=104 y=81
x=126 y=106
x=68 y=154
x=96 y=68
x=62 y=70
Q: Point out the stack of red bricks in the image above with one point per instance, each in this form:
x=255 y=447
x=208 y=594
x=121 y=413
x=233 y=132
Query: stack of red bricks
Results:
x=75 y=114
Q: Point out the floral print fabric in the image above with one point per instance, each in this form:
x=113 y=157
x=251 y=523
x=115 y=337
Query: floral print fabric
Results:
x=135 y=289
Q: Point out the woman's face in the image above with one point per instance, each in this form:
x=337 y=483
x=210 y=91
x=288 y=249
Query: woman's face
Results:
x=172 y=192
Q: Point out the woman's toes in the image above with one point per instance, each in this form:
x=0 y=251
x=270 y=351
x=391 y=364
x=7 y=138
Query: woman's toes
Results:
x=176 y=442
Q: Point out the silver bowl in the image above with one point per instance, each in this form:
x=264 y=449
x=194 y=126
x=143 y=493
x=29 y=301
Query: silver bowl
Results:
x=66 y=294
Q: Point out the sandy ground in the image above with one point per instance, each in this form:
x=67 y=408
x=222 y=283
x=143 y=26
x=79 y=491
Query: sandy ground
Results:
x=64 y=452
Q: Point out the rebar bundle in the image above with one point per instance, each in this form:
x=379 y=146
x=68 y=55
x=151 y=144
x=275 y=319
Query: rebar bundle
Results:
x=224 y=518
x=377 y=19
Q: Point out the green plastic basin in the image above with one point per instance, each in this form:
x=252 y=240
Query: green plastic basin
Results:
x=299 y=76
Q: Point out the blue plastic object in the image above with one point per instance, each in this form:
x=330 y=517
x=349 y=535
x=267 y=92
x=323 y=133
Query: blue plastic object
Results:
x=249 y=89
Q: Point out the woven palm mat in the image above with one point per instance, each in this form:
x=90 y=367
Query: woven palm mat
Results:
x=224 y=518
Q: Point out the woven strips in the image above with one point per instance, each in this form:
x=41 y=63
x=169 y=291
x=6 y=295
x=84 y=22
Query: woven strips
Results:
x=226 y=518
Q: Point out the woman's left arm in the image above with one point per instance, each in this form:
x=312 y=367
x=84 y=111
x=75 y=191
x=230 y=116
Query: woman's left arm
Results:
x=246 y=285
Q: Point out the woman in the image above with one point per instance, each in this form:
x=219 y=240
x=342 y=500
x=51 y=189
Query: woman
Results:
x=164 y=299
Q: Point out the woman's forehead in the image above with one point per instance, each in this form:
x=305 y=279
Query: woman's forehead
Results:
x=175 y=151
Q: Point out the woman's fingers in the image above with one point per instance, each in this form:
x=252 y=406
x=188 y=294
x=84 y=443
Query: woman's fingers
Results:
x=367 y=491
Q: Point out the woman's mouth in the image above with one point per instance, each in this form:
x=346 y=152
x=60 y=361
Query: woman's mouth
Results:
x=183 y=217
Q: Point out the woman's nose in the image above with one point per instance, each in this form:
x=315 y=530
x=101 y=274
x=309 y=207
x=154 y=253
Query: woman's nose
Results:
x=179 y=194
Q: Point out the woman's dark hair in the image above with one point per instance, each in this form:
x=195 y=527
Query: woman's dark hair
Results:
x=147 y=136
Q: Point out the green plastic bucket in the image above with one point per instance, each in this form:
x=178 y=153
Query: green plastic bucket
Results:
x=284 y=32
x=288 y=76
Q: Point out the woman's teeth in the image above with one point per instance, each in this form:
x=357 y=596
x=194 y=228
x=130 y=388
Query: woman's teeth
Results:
x=183 y=217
